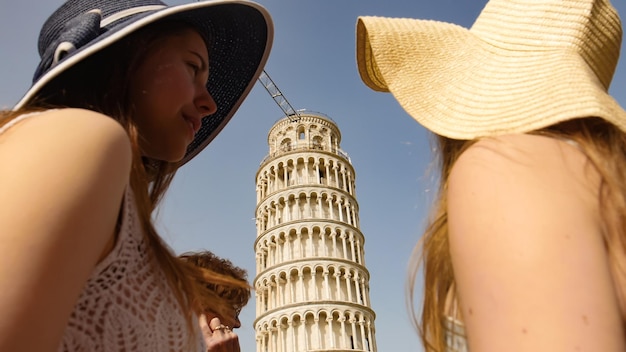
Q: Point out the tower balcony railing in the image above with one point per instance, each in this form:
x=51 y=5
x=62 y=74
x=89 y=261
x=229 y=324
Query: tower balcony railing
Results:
x=309 y=113
x=311 y=146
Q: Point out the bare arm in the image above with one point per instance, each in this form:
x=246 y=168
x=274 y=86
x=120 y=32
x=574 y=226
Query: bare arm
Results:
x=63 y=177
x=526 y=243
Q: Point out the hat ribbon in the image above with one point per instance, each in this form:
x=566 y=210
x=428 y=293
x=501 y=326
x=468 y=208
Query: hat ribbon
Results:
x=79 y=31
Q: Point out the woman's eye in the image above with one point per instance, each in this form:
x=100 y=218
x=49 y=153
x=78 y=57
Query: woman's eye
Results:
x=194 y=67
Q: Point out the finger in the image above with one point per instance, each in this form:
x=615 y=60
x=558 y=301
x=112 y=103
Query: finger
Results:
x=214 y=323
x=202 y=321
x=204 y=326
x=223 y=343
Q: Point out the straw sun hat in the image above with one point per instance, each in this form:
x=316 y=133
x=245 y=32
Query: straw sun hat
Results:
x=240 y=32
x=522 y=66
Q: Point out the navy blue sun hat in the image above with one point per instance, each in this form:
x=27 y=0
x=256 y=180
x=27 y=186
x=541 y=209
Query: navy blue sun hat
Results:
x=241 y=34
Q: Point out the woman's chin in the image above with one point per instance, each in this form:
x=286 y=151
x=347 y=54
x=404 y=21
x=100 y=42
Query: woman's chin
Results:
x=170 y=157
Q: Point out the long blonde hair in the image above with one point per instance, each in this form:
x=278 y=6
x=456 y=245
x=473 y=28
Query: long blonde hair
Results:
x=605 y=147
x=100 y=83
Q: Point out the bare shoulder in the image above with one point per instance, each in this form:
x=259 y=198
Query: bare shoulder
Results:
x=63 y=179
x=526 y=180
x=67 y=124
x=77 y=155
x=559 y=169
x=527 y=248
x=82 y=138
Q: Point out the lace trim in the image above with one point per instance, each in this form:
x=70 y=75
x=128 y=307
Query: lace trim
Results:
x=455 y=335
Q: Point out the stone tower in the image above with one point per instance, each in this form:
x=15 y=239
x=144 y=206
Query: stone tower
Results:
x=311 y=284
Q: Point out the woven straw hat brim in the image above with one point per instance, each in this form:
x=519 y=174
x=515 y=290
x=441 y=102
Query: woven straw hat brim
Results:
x=462 y=87
x=243 y=35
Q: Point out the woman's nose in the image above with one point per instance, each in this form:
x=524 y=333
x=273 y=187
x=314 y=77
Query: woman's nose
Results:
x=205 y=103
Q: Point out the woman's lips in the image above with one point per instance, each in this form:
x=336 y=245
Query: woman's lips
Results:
x=194 y=124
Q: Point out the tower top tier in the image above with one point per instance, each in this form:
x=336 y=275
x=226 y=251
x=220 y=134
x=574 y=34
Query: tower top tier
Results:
x=313 y=131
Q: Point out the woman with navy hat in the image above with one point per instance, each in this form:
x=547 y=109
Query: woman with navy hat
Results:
x=127 y=91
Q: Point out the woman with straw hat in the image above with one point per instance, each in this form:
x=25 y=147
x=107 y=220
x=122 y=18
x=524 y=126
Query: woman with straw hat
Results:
x=126 y=92
x=525 y=249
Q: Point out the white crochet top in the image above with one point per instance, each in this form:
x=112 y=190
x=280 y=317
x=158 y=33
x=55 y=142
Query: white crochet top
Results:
x=456 y=341
x=127 y=304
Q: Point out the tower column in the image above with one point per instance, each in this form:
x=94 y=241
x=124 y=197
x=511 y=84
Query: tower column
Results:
x=331 y=333
x=327 y=174
x=344 y=343
x=348 y=286
x=317 y=172
x=307 y=342
x=300 y=244
x=338 y=294
x=307 y=178
x=282 y=289
x=314 y=284
x=291 y=290
x=363 y=336
x=282 y=336
x=288 y=247
x=349 y=213
x=326 y=285
x=280 y=249
x=334 y=238
x=324 y=248
x=359 y=297
x=289 y=210
x=302 y=288
x=318 y=329
x=370 y=335
x=352 y=247
x=320 y=208
x=345 y=247
x=271 y=253
x=263 y=342
x=270 y=304
x=293 y=335
x=353 y=325
x=340 y=208
x=274 y=338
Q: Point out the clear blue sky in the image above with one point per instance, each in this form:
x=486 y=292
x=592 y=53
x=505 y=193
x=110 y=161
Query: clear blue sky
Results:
x=211 y=203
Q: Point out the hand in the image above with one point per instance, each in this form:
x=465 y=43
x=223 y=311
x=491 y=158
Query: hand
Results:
x=218 y=337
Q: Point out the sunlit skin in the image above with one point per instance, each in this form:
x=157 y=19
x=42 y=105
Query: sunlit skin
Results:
x=169 y=95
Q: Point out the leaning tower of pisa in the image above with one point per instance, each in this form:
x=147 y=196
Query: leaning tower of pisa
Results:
x=311 y=284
